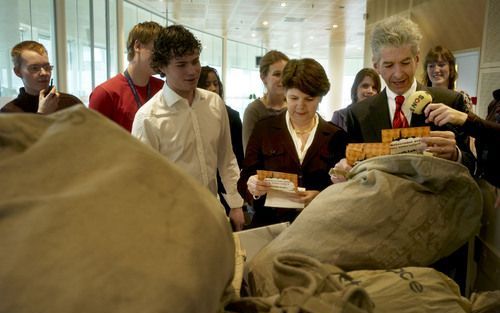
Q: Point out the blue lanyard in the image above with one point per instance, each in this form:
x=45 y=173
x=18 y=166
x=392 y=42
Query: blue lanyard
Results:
x=134 y=91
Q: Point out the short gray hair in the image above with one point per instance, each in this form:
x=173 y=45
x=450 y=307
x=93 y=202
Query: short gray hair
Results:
x=395 y=32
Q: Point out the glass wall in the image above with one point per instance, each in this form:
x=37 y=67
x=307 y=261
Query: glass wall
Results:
x=132 y=15
x=79 y=36
x=93 y=52
x=351 y=68
x=243 y=83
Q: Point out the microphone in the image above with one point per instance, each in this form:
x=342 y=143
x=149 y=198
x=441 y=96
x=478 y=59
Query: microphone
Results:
x=417 y=101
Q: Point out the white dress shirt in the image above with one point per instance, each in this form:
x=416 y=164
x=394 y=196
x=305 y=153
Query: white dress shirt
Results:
x=391 y=100
x=196 y=138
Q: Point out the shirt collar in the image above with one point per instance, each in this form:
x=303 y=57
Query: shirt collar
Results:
x=413 y=88
x=171 y=97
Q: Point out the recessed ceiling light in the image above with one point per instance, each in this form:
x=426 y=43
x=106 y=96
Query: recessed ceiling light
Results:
x=295 y=45
x=311 y=37
x=283 y=4
x=265 y=23
x=253 y=35
x=335 y=25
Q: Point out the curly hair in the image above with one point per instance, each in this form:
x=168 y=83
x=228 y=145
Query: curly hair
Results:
x=202 y=82
x=30 y=45
x=144 y=33
x=172 y=42
x=307 y=75
x=359 y=78
x=433 y=56
x=395 y=31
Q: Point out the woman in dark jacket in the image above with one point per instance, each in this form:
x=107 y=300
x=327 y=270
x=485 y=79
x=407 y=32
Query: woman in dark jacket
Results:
x=486 y=132
x=297 y=141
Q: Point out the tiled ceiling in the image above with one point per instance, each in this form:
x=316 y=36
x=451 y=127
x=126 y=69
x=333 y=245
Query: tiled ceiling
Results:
x=302 y=28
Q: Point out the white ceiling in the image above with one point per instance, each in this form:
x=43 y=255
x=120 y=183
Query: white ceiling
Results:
x=302 y=28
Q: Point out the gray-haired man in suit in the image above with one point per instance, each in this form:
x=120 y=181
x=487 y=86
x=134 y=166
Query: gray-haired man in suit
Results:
x=395 y=47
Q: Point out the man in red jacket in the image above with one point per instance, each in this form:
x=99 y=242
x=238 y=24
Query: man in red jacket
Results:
x=120 y=97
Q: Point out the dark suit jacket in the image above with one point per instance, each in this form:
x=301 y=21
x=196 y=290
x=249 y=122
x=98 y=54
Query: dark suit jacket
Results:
x=271 y=148
x=367 y=118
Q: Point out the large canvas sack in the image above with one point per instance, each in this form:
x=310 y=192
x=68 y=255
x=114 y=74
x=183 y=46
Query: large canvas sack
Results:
x=92 y=220
x=394 y=211
x=308 y=286
x=410 y=290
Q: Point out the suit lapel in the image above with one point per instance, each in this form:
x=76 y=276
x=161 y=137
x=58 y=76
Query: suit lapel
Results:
x=320 y=137
x=287 y=140
x=378 y=117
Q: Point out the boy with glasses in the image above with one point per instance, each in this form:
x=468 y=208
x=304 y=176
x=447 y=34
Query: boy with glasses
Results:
x=31 y=64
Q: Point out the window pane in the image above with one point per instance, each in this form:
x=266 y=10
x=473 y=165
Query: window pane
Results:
x=113 y=39
x=79 y=69
x=243 y=78
x=100 y=61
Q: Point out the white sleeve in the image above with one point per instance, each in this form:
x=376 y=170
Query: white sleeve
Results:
x=226 y=162
x=144 y=130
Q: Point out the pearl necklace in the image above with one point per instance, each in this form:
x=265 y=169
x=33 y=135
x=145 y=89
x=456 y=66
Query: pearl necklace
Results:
x=305 y=131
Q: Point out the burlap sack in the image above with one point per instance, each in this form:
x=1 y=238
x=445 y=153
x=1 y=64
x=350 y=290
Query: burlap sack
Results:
x=306 y=285
x=394 y=211
x=486 y=302
x=410 y=290
x=91 y=220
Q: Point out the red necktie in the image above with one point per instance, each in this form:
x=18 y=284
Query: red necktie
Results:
x=399 y=120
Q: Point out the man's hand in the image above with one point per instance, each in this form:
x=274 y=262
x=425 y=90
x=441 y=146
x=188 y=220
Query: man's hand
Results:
x=48 y=103
x=441 y=144
x=441 y=114
x=237 y=218
x=304 y=196
x=339 y=173
x=257 y=187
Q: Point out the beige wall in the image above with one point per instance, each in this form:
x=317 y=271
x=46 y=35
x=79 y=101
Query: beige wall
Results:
x=455 y=24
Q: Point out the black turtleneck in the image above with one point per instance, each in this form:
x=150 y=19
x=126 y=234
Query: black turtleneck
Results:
x=29 y=103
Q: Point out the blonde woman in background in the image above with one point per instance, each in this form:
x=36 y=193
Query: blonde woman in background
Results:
x=273 y=101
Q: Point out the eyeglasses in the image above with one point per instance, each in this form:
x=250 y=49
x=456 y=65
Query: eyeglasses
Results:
x=37 y=68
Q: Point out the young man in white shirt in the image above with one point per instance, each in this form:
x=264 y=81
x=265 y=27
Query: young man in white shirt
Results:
x=187 y=124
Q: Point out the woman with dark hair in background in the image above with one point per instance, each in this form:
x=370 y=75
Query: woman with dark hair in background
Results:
x=297 y=141
x=485 y=131
x=366 y=84
x=210 y=80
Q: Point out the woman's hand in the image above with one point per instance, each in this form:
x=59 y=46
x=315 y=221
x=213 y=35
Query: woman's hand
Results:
x=441 y=144
x=257 y=187
x=237 y=218
x=339 y=173
x=304 y=196
x=441 y=114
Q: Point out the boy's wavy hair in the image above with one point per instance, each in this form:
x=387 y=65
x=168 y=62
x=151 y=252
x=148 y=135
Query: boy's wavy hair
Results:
x=173 y=41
